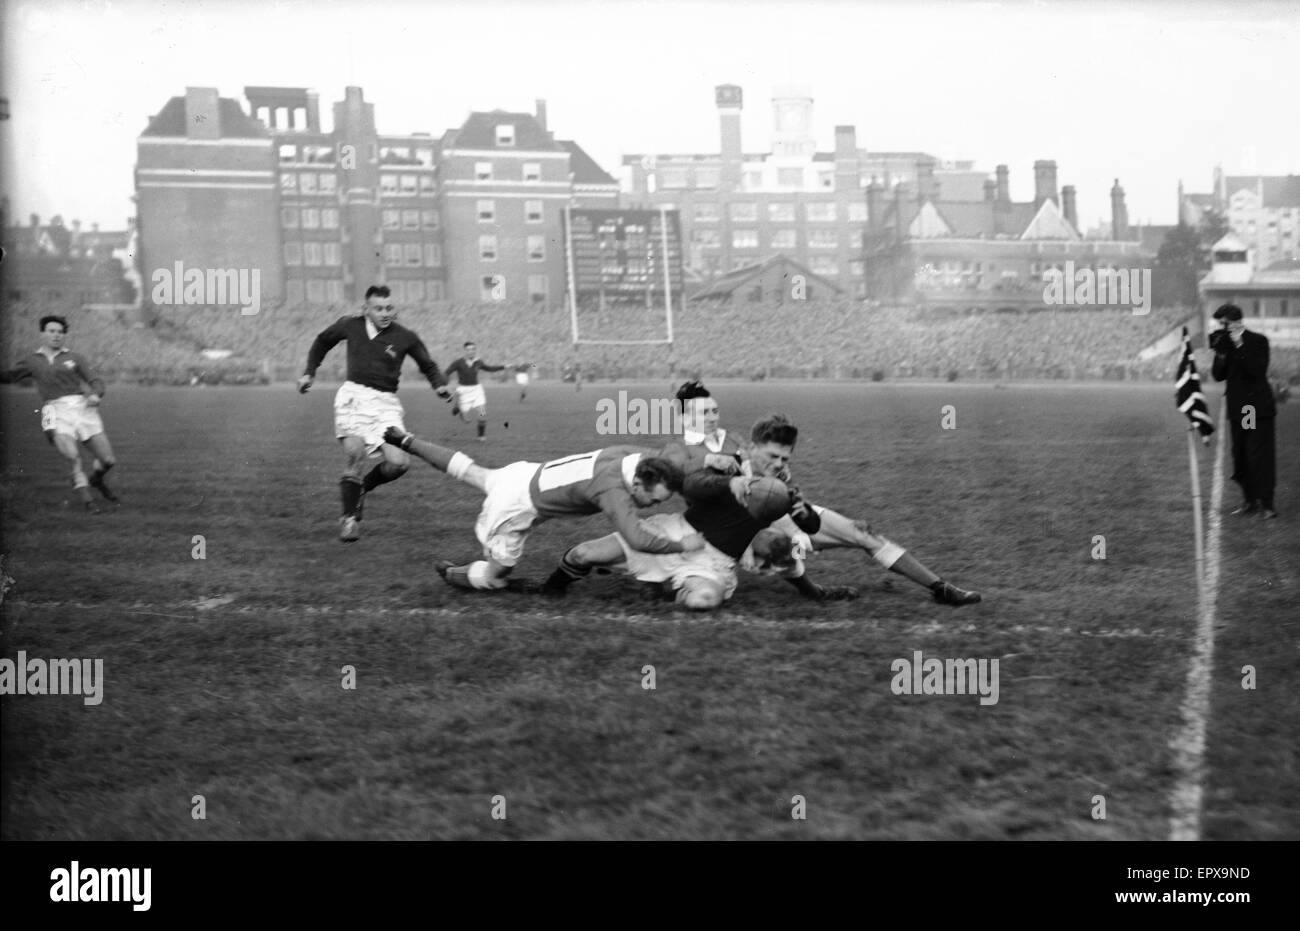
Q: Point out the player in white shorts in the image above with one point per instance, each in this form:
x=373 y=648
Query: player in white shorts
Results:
x=471 y=400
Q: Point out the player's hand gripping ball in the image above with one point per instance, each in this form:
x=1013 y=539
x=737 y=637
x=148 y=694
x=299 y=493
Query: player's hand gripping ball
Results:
x=769 y=499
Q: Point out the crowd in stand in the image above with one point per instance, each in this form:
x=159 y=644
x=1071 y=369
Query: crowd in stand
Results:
x=797 y=340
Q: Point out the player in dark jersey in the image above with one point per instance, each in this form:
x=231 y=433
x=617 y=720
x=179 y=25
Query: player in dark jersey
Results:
x=366 y=404
x=470 y=397
x=71 y=393
x=616 y=480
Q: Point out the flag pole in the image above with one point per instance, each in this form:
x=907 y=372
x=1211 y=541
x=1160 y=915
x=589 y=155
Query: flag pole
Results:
x=1196 y=511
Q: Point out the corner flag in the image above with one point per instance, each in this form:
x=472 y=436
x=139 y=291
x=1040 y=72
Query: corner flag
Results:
x=1190 y=400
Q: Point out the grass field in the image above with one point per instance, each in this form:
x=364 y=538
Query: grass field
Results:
x=223 y=676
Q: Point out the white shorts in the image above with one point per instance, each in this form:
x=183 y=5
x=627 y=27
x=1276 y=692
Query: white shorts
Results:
x=508 y=513
x=521 y=378
x=470 y=397
x=72 y=416
x=709 y=563
x=367 y=413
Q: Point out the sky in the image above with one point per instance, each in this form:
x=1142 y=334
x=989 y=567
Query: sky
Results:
x=1146 y=92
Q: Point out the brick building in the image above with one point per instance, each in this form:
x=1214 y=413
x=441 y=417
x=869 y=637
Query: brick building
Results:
x=1262 y=210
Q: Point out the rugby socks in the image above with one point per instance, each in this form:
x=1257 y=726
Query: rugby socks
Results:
x=565 y=574
x=381 y=474
x=910 y=567
x=475 y=576
x=482 y=428
x=351 y=491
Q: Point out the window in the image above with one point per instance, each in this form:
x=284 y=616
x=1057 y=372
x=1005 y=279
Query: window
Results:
x=289 y=183
x=823 y=239
x=532 y=211
x=388 y=185
x=744 y=239
x=487 y=248
x=409 y=185
x=505 y=134
x=857 y=212
x=789 y=177
x=312 y=254
x=293 y=253
x=288 y=153
x=744 y=212
x=315 y=290
x=784 y=239
x=707 y=177
x=333 y=255
x=857 y=268
x=706 y=213
x=705 y=238
x=410 y=219
x=393 y=253
x=310 y=218
x=392 y=219
x=487 y=211
x=780 y=212
x=482 y=171
x=426 y=184
x=432 y=254
x=415 y=291
x=434 y=290
x=824 y=265
x=412 y=252
x=673 y=178
x=492 y=288
x=536 y=248
x=289 y=217
x=429 y=219
x=537 y=289
x=753 y=180
x=820 y=211
x=334 y=290
x=329 y=218
x=329 y=183
x=532 y=171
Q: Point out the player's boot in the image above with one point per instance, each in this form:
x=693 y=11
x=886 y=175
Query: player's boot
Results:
x=397 y=437
x=349 y=528
x=945 y=593
x=441 y=566
x=97 y=482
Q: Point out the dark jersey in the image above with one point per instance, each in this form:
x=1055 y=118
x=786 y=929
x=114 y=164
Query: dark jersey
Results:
x=466 y=372
x=590 y=483
x=375 y=363
x=722 y=520
x=65 y=375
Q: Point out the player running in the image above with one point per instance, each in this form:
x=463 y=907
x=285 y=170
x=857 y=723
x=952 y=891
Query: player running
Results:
x=71 y=393
x=470 y=397
x=719 y=510
x=836 y=530
x=523 y=375
x=367 y=404
x=616 y=480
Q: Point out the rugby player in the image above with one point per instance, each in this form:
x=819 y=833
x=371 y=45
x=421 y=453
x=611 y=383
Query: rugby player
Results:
x=616 y=480
x=367 y=404
x=717 y=510
x=470 y=397
x=71 y=393
x=835 y=530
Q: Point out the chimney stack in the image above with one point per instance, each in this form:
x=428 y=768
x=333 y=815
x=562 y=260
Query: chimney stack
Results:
x=1004 y=185
x=1068 y=206
x=1118 y=213
x=926 y=187
x=990 y=190
x=730 y=101
x=1045 y=183
x=541 y=114
x=875 y=205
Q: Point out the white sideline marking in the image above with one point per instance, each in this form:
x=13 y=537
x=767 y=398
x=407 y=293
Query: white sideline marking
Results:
x=1189 y=743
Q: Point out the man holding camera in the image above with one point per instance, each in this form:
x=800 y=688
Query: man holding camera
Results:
x=1241 y=359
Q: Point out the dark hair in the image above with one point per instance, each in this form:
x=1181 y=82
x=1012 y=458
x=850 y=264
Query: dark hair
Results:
x=774 y=428
x=378 y=290
x=781 y=548
x=656 y=471
x=46 y=321
x=1228 y=312
x=691 y=390
x=468 y=343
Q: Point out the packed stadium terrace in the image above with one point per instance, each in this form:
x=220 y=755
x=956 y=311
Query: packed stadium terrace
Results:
x=807 y=340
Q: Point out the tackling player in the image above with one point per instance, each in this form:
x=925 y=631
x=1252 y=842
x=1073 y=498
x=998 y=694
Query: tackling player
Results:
x=470 y=397
x=616 y=480
x=367 y=404
x=71 y=393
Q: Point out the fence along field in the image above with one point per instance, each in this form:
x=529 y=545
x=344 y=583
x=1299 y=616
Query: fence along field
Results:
x=223 y=677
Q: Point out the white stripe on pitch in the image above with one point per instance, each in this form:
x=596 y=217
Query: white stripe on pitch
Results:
x=1189 y=743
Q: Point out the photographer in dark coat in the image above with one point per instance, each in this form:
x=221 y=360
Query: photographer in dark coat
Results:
x=1241 y=359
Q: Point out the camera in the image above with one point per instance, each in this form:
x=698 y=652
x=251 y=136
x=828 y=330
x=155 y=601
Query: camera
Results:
x=1220 y=339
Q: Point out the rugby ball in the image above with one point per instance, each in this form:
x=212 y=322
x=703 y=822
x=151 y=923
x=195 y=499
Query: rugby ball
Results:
x=769 y=499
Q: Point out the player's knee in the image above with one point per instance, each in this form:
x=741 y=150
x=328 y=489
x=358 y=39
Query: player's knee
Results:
x=398 y=466
x=580 y=556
